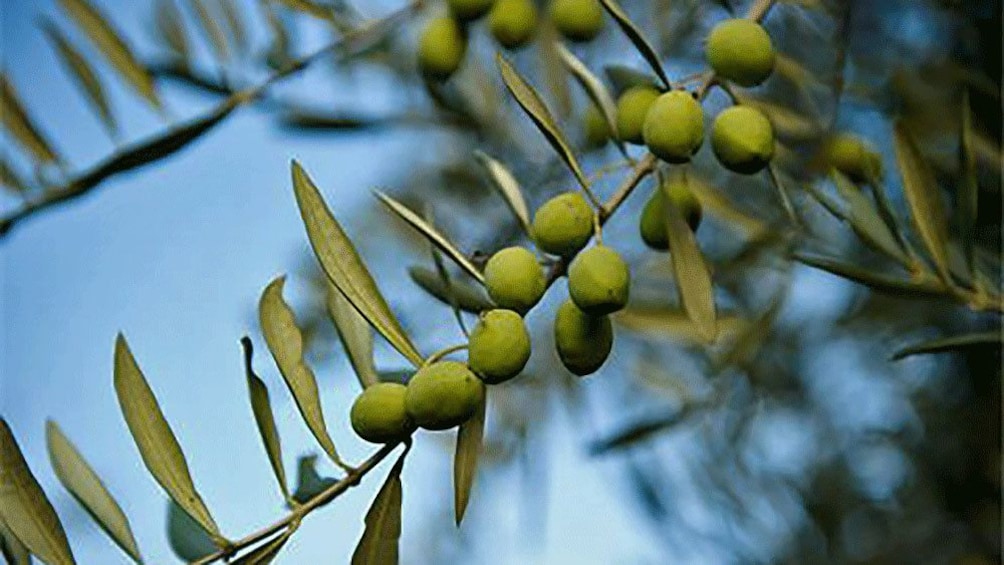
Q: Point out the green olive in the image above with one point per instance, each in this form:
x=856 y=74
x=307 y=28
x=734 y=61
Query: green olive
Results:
x=632 y=106
x=514 y=279
x=740 y=50
x=499 y=346
x=577 y=20
x=653 y=217
x=513 y=22
x=443 y=395
x=742 y=139
x=378 y=414
x=674 y=127
x=441 y=48
x=467 y=10
x=854 y=157
x=564 y=224
x=583 y=341
x=599 y=281
x=597 y=128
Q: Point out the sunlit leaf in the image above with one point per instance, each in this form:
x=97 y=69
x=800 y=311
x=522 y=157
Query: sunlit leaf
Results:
x=11 y=548
x=673 y=323
x=84 y=484
x=208 y=22
x=185 y=536
x=594 y=88
x=265 y=553
x=171 y=27
x=356 y=337
x=111 y=45
x=308 y=482
x=787 y=123
x=20 y=126
x=261 y=407
x=83 y=74
x=156 y=442
x=870 y=278
x=344 y=267
x=467 y=297
x=637 y=38
x=25 y=509
x=465 y=460
x=866 y=220
x=953 y=343
x=506 y=184
x=379 y=544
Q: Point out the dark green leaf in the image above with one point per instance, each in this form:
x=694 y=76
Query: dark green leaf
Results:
x=465 y=460
x=637 y=38
x=467 y=297
x=952 y=343
x=308 y=483
x=379 y=544
x=261 y=407
x=188 y=540
x=622 y=78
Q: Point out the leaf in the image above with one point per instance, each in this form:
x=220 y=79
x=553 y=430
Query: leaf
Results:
x=83 y=74
x=312 y=9
x=11 y=548
x=623 y=78
x=952 y=343
x=356 y=337
x=84 y=484
x=432 y=234
x=378 y=546
x=235 y=25
x=285 y=341
x=467 y=297
x=637 y=38
x=24 y=507
x=674 y=324
x=261 y=407
x=637 y=432
x=968 y=199
x=869 y=277
x=345 y=269
x=111 y=45
x=465 y=460
x=866 y=220
x=156 y=442
x=308 y=483
x=717 y=204
x=693 y=278
x=530 y=101
x=922 y=195
x=594 y=88
x=171 y=28
x=506 y=184
x=10 y=178
x=188 y=540
x=212 y=30
x=20 y=126
x=265 y=553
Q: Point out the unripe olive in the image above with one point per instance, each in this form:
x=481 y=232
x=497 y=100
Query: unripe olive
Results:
x=499 y=346
x=674 y=127
x=599 y=281
x=513 y=22
x=596 y=126
x=632 y=107
x=564 y=224
x=443 y=395
x=742 y=139
x=514 y=279
x=378 y=414
x=441 y=48
x=740 y=50
x=583 y=341
x=577 y=20
x=653 y=217
x=854 y=157
x=466 y=10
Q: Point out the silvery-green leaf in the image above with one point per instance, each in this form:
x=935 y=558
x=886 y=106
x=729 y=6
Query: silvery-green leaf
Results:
x=356 y=337
x=864 y=217
x=552 y=70
x=308 y=483
x=285 y=341
x=467 y=297
x=870 y=278
x=379 y=544
x=952 y=343
x=83 y=74
x=185 y=536
x=675 y=324
x=20 y=126
x=84 y=484
x=465 y=460
x=622 y=78
x=637 y=38
x=717 y=204
x=156 y=442
x=11 y=548
x=344 y=267
x=506 y=184
x=261 y=407
x=594 y=88
x=693 y=277
x=25 y=509
x=265 y=553
x=212 y=30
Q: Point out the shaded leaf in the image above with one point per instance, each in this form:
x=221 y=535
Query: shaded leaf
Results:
x=465 y=460
x=308 y=483
x=11 y=548
x=594 y=89
x=310 y=8
x=379 y=544
x=171 y=28
x=344 y=267
x=866 y=220
x=623 y=78
x=211 y=28
x=265 y=553
x=637 y=38
x=356 y=337
x=156 y=442
x=554 y=76
x=10 y=178
x=717 y=204
x=952 y=343
x=83 y=74
x=188 y=540
x=637 y=432
x=235 y=25
x=467 y=297
x=506 y=184
x=20 y=126
x=869 y=277
x=84 y=484
x=261 y=407
x=25 y=509
x=968 y=199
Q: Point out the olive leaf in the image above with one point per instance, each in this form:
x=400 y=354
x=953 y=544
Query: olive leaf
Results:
x=952 y=343
x=869 y=278
x=111 y=45
x=170 y=26
x=534 y=106
x=675 y=324
x=285 y=342
x=25 y=509
x=637 y=38
x=356 y=337
x=212 y=30
x=308 y=482
x=261 y=407
x=11 y=548
x=468 y=297
x=506 y=184
x=265 y=553
x=623 y=78
x=84 y=484
x=594 y=89
x=717 y=204
x=343 y=266
x=638 y=432
x=20 y=126
x=309 y=8
x=968 y=199
x=379 y=544
x=465 y=460
x=10 y=179
x=432 y=234
x=83 y=74
x=185 y=536
x=551 y=69
x=156 y=442
x=235 y=25
x=866 y=220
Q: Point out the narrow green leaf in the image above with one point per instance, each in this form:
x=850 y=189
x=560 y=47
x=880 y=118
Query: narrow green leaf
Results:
x=20 y=126
x=308 y=482
x=83 y=74
x=115 y=50
x=11 y=548
x=10 y=178
x=265 y=553
x=506 y=184
x=534 y=106
x=235 y=25
x=84 y=484
x=594 y=88
x=622 y=78
x=356 y=337
x=156 y=442
x=432 y=234
x=171 y=27
x=344 y=267
x=637 y=38
x=922 y=195
x=465 y=460
x=210 y=26
x=467 y=297
x=866 y=220
x=968 y=199
x=25 y=509
x=638 y=432
x=870 y=278
x=379 y=544
x=309 y=8
x=675 y=324
x=188 y=540
x=952 y=343
x=261 y=407
x=447 y=280
x=286 y=344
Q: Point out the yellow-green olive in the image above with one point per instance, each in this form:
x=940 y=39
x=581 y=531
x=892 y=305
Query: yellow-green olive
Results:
x=674 y=127
x=632 y=107
x=443 y=395
x=441 y=48
x=742 y=139
x=652 y=224
x=577 y=20
x=854 y=157
x=467 y=10
x=514 y=279
x=740 y=50
x=564 y=224
x=513 y=22
x=597 y=128
x=499 y=346
x=378 y=414
x=583 y=341
x=599 y=281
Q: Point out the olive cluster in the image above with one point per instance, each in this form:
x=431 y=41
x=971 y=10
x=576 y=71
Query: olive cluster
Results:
x=512 y=23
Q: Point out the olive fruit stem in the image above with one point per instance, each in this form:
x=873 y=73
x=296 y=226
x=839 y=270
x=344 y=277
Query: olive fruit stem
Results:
x=443 y=353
